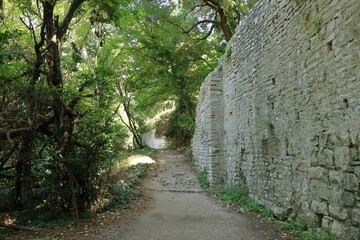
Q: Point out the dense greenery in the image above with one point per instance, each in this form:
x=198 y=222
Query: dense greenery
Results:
x=78 y=77
x=57 y=130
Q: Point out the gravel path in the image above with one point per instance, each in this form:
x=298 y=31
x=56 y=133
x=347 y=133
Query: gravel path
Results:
x=181 y=210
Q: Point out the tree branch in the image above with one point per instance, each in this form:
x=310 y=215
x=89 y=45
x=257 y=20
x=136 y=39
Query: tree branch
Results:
x=214 y=24
x=195 y=7
x=65 y=24
x=212 y=4
x=198 y=23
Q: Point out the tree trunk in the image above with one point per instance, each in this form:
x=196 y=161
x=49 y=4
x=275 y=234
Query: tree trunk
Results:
x=224 y=25
x=64 y=124
x=23 y=172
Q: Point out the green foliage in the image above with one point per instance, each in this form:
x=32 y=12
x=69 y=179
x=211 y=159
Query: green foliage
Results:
x=239 y=195
x=69 y=135
x=202 y=178
x=187 y=151
x=7 y=197
x=40 y=218
x=180 y=128
x=298 y=2
x=270 y=125
x=301 y=229
x=118 y=196
x=228 y=51
x=165 y=65
x=316 y=23
x=227 y=14
x=60 y=130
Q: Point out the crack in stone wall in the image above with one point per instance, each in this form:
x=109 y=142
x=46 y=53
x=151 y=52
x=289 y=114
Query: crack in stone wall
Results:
x=283 y=112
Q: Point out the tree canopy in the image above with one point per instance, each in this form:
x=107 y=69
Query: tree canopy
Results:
x=78 y=77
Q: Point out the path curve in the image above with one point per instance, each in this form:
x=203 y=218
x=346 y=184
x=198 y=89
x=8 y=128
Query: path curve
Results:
x=181 y=210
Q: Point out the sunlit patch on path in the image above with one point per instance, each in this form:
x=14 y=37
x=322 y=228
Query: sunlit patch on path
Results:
x=140 y=160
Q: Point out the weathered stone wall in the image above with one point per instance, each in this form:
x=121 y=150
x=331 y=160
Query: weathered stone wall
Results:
x=281 y=112
x=150 y=139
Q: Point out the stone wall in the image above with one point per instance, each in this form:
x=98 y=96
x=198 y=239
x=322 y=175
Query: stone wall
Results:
x=281 y=112
x=150 y=139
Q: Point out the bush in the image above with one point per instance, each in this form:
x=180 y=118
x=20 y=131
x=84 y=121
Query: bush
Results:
x=118 y=196
x=180 y=128
x=7 y=198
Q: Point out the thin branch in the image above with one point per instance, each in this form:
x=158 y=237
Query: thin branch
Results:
x=200 y=22
x=214 y=24
x=212 y=4
x=195 y=7
x=206 y=36
x=65 y=24
x=9 y=132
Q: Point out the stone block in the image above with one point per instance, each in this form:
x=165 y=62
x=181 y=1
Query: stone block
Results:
x=324 y=193
x=349 y=199
x=355 y=216
x=317 y=172
x=351 y=182
x=352 y=233
x=326 y=223
x=319 y=207
x=281 y=213
x=326 y=158
x=342 y=158
x=357 y=171
x=336 y=196
x=338 y=212
x=336 y=177
x=330 y=26
x=337 y=228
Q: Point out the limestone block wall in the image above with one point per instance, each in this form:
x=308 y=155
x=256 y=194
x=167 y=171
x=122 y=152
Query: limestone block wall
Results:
x=281 y=112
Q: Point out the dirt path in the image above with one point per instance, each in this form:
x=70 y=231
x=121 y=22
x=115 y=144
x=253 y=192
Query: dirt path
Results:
x=182 y=211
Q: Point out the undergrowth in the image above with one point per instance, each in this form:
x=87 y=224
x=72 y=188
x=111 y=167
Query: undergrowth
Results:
x=117 y=191
x=240 y=196
x=301 y=229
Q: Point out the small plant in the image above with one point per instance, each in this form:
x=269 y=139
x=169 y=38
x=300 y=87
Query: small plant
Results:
x=262 y=138
x=316 y=23
x=228 y=51
x=203 y=181
x=119 y=196
x=265 y=124
x=269 y=124
x=298 y=2
x=240 y=196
